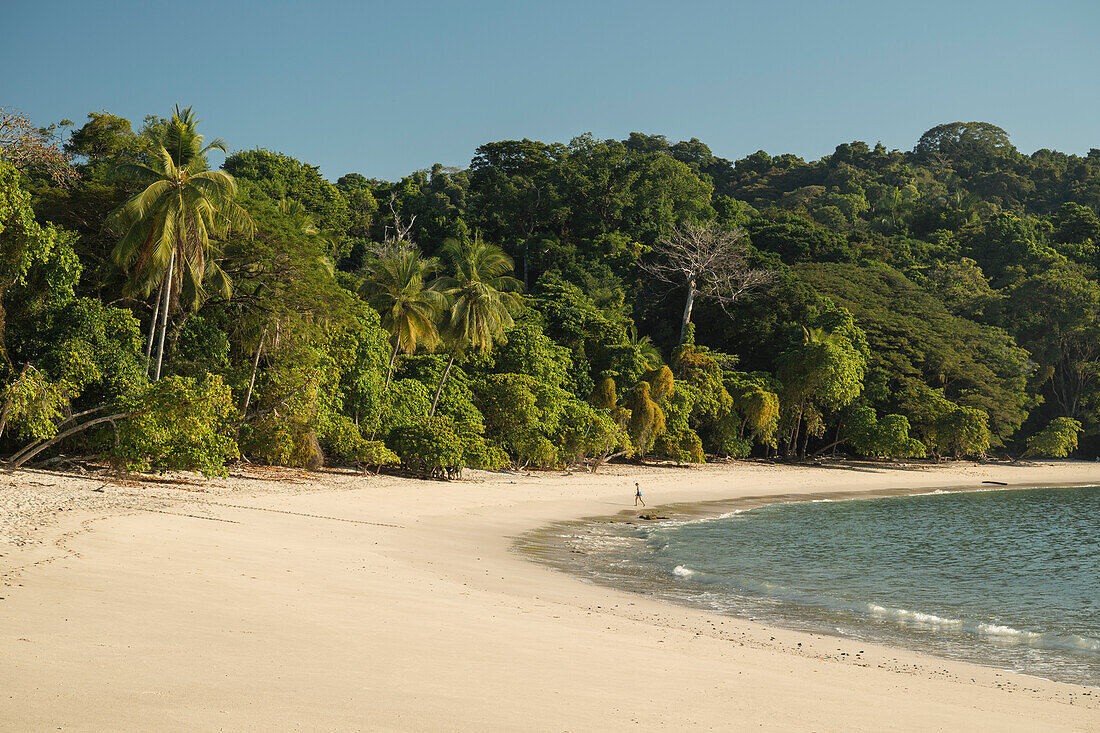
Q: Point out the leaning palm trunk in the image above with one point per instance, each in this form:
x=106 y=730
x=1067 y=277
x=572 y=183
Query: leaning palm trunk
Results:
x=153 y=329
x=442 y=381
x=386 y=388
x=252 y=379
x=164 y=312
x=482 y=300
x=389 y=369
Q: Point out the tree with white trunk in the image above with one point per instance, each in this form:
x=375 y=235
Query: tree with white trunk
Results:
x=710 y=262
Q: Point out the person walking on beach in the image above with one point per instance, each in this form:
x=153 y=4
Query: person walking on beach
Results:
x=638 y=495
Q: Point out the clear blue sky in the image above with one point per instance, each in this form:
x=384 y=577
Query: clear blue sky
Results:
x=386 y=88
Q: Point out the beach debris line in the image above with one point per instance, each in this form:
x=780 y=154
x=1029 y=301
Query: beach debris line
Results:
x=303 y=514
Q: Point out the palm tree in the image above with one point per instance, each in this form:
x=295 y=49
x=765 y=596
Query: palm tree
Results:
x=167 y=227
x=299 y=215
x=483 y=300
x=644 y=346
x=396 y=286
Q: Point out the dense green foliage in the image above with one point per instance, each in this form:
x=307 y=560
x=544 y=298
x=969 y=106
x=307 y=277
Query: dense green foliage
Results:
x=938 y=302
x=1056 y=440
x=179 y=422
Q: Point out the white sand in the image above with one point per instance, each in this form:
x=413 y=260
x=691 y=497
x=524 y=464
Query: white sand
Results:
x=335 y=602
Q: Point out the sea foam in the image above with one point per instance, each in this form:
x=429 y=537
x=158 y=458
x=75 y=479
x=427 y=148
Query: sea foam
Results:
x=1001 y=632
x=917 y=617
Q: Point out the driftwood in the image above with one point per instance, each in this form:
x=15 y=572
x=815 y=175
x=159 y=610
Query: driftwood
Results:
x=64 y=459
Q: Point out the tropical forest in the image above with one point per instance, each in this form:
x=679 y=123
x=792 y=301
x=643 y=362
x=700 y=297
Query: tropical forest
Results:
x=171 y=300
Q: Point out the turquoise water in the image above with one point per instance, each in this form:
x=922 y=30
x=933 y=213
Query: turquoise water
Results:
x=1004 y=578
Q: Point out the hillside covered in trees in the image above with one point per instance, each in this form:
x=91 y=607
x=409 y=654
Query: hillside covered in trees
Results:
x=550 y=304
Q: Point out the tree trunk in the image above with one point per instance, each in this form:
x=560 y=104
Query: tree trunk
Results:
x=821 y=451
x=442 y=380
x=164 y=313
x=153 y=328
x=687 y=309
x=26 y=454
x=385 y=389
x=792 y=442
x=526 y=259
x=79 y=415
x=4 y=415
x=269 y=410
x=252 y=379
x=393 y=357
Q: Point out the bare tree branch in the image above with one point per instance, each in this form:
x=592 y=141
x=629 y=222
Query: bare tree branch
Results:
x=26 y=146
x=400 y=240
x=710 y=262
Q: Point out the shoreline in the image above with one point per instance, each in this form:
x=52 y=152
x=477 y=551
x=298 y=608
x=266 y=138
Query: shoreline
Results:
x=357 y=602
x=563 y=545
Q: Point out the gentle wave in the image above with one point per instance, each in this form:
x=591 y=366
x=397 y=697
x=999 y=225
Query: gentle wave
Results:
x=936 y=574
x=928 y=619
x=699 y=520
x=999 y=631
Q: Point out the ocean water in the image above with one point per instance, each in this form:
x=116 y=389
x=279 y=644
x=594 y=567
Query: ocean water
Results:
x=1009 y=579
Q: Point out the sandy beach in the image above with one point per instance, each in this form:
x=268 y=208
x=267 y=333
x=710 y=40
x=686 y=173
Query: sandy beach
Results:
x=281 y=600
